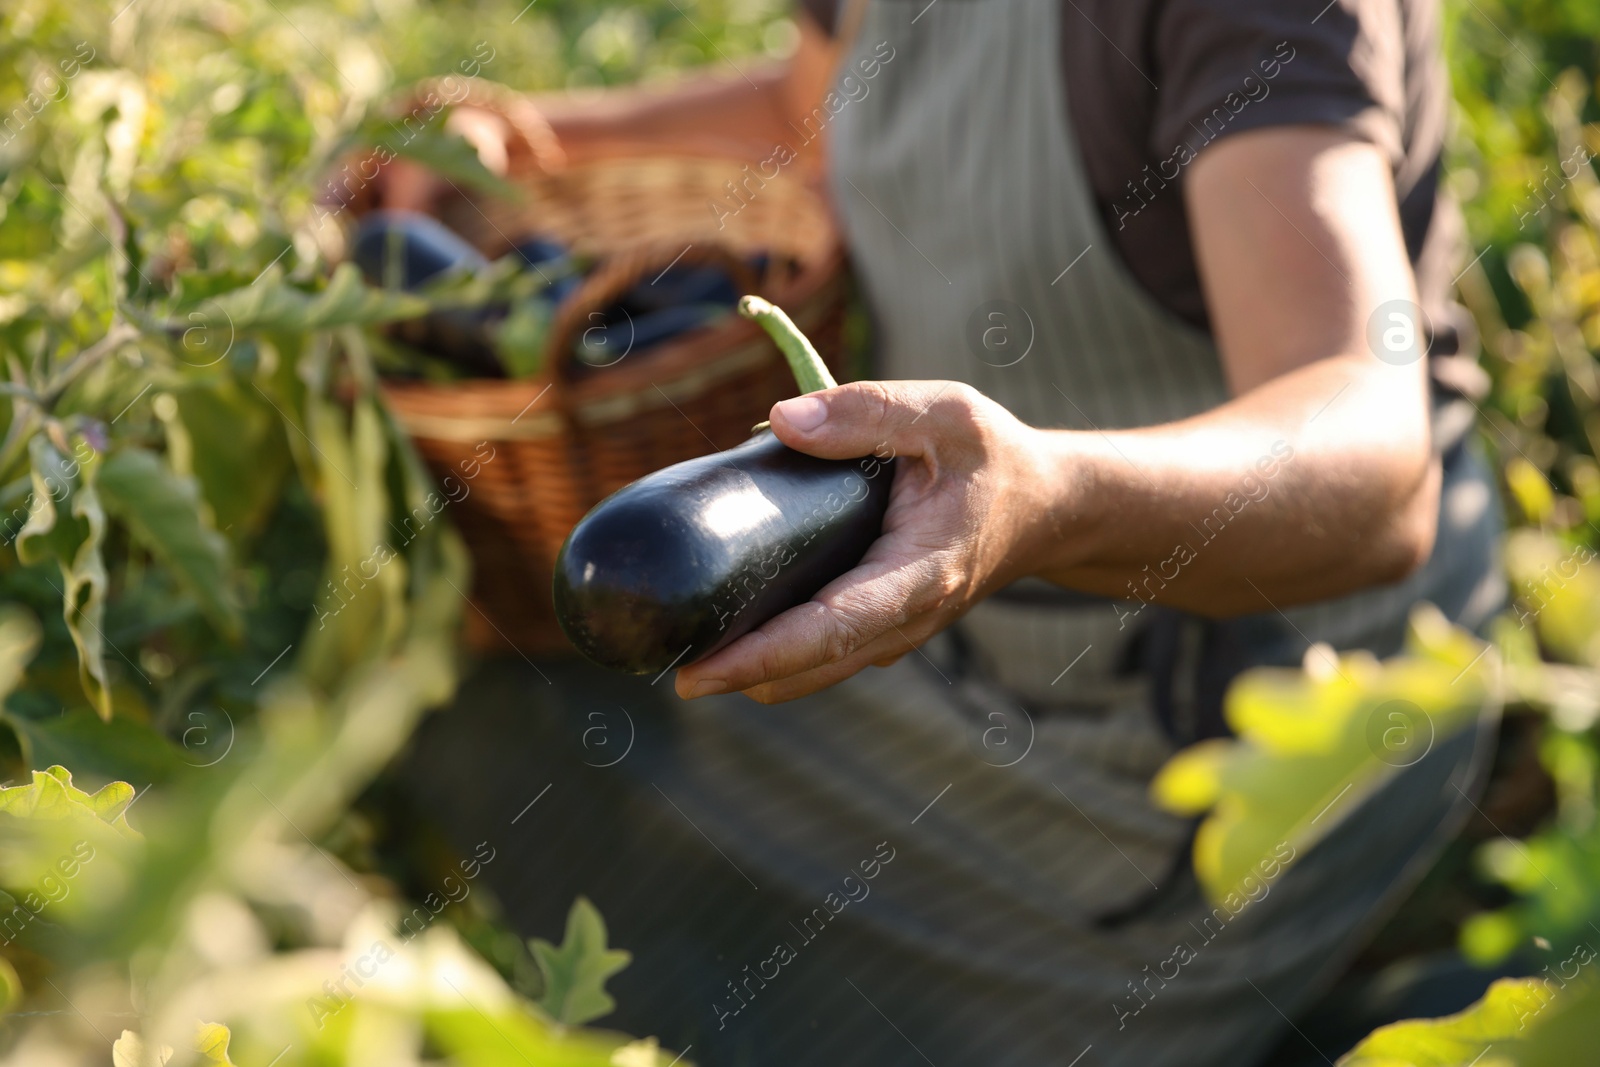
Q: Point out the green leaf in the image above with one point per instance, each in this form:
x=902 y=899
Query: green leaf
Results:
x=1310 y=749
x=575 y=974
x=72 y=537
x=1559 y=590
x=245 y=457
x=520 y=340
x=163 y=509
x=1520 y=1022
x=273 y=304
x=51 y=797
x=1555 y=873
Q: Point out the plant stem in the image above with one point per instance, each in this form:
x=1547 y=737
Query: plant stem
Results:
x=810 y=373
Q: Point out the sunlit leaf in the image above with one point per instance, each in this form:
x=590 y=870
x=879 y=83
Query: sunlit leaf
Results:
x=51 y=797
x=1531 y=490
x=1520 y=1022
x=1310 y=749
x=210 y=1041
x=1558 y=590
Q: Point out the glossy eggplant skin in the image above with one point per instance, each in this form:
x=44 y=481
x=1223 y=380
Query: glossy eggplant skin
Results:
x=678 y=564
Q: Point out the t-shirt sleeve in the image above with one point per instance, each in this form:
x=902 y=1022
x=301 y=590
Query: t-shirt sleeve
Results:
x=1226 y=66
x=825 y=12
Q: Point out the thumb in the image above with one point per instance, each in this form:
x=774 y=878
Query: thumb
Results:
x=882 y=419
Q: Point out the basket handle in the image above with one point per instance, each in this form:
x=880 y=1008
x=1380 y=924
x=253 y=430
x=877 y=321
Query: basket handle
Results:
x=615 y=276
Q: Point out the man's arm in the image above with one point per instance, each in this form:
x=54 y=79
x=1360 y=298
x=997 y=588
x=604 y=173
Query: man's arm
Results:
x=743 y=115
x=1299 y=244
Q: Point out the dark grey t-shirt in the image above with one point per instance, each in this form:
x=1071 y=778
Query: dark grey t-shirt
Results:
x=1150 y=83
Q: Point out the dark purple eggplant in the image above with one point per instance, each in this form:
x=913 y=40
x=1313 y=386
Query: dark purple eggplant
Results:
x=685 y=560
x=604 y=343
x=681 y=562
x=405 y=249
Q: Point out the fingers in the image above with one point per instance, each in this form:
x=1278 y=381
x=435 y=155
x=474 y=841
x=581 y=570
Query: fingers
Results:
x=874 y=418
x=883 y=652
x=845 y=617
x=798 y=641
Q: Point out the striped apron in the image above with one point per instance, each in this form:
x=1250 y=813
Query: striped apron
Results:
x=954 y=860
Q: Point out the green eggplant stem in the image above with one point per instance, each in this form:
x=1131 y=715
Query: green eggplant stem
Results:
x=810 y=373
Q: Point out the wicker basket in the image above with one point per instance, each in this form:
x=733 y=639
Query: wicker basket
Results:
x=566 y=439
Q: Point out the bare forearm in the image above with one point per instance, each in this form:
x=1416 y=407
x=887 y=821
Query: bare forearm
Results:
x=1313 y=485
x=744 y=113
x=714 y=113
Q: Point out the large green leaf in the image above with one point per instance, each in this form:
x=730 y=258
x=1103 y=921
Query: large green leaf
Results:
x=163 y=509
x=244 y=458
x=1520 y=1022
x=51 y=797
x=72 y=537
x=1311 y=747
x=575 y=974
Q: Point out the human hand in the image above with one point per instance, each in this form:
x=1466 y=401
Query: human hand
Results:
x=403 y=184
x=971 y=497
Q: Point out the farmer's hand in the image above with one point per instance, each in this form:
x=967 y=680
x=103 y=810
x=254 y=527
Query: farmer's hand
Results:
x=403 y=184
x=968 y=494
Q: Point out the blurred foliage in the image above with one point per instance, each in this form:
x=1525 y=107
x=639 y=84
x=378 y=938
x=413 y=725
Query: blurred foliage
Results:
x=222 y=614
x=1521 y=165
x=1312 y=745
